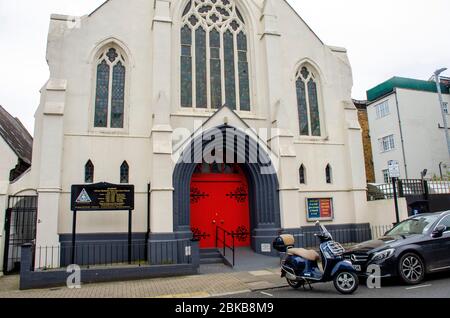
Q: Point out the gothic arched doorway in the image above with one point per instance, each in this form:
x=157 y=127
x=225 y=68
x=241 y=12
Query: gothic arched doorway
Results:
x=261 y=177
x=219 y=198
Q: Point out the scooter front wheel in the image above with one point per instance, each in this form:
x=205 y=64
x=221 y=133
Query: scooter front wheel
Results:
x=346 y=282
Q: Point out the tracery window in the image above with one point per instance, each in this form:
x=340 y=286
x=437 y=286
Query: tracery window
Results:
x=110 y=89
x=308 y=102
x=214 y=56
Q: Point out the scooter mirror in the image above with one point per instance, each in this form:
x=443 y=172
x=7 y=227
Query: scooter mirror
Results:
x=317 y=223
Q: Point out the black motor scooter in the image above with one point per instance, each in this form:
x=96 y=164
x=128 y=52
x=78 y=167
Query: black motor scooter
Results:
x=301 y=269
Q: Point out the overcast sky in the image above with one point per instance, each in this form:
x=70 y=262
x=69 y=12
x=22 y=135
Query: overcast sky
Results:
x=384 y=38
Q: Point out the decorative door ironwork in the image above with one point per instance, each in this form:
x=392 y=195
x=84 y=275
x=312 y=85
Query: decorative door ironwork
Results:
x=219 y=200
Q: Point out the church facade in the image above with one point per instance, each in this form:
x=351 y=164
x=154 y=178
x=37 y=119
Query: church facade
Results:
x=221 y=113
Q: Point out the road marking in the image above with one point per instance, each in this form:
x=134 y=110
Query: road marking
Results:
x=186 y=295
x=267 y=294
x=232 y=293
x=417 y=287
x=261 y=273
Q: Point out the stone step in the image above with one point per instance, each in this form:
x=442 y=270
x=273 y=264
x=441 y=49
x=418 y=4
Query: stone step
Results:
x=210 y=255
x=205 y=261
x=208 y=250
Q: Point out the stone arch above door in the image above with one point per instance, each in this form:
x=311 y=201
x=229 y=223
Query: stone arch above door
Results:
x=261 y=175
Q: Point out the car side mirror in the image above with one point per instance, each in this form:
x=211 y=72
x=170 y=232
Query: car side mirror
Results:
x=439 y=231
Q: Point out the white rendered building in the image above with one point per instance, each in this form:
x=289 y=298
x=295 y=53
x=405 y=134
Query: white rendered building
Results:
x=134 y=84
x=406 y=125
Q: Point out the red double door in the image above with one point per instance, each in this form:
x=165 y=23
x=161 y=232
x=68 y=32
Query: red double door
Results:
x=220 y=200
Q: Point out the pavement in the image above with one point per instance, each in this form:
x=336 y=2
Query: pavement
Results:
x=220 y=281
x=214 y=281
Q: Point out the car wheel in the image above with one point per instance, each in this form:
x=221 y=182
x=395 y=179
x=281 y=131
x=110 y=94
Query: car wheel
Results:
x=411 y=269
x=346 y=282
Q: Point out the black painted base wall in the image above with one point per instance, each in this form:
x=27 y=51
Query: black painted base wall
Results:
x=342 y=233
x=32 y=279
x=435 y=203
x=96 y=249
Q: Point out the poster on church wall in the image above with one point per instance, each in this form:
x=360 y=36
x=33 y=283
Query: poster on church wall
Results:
x=320 y=209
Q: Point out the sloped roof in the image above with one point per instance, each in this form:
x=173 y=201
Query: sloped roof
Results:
x=16 y=135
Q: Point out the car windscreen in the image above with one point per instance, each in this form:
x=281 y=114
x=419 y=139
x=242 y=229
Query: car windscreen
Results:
x=417 y=225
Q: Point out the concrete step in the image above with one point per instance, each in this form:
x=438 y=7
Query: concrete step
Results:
x=208 y=250
x=205 y=261
x=210 y=255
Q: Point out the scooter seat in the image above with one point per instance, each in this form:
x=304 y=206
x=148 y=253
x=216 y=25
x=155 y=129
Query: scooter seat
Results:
x=309 y=255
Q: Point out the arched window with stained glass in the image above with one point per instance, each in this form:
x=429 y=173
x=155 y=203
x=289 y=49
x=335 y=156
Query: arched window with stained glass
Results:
x=89 y=172
x=110 y=89
x=214 y=56
x=124 y=173
x=307 y=86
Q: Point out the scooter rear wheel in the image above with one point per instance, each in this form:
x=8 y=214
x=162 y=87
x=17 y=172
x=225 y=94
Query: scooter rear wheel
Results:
x=346 y=282
x=294 y=284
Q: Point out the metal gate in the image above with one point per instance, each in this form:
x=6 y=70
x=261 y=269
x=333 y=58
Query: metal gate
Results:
x=20 y=228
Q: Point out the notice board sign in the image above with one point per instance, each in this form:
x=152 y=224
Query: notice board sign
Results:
x=102 y=197
x=320 y=209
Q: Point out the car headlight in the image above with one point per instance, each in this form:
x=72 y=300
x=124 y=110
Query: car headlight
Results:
x=383 y=255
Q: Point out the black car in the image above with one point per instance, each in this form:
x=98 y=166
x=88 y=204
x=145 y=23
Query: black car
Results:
x=417 y=246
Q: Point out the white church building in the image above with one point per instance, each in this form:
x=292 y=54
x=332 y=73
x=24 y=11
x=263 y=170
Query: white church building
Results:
x=148 y=92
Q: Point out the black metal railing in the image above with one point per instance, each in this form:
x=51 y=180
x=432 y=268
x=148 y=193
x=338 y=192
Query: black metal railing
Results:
x=227 y=240
x=90 y=255
x=438 y=187
x=411 y=187
x=407 y=187
x=380 y=191
x=346 y=237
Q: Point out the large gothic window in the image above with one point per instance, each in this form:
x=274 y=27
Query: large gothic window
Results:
x=110 y=89
x=214 y=56
x=308 y=102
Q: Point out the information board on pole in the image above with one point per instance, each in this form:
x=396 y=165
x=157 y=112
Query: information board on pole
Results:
x=394 y=169
x=102 y=197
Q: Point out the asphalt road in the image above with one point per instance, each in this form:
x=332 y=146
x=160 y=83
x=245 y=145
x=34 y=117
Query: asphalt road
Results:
x=437 y=286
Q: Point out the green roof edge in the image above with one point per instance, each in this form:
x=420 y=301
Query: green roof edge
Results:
x=388 y=87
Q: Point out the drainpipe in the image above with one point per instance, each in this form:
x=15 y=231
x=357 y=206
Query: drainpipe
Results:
x=147 y=235
x=401 y=133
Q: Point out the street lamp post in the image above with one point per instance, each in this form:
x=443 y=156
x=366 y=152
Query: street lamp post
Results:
x=441 y=100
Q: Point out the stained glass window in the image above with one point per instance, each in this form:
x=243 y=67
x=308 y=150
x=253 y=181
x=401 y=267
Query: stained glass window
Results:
x=124 y=173
x=314 y=108
x=244 y=89
x=216 y=73
x=89 y=172
x=216 y=29
x=200 y=68
x=110 y=90
x=230 y=82
x=102 y=96
x=308 y=103
x=186 y=67
x=118 y=96
x=302 y=108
